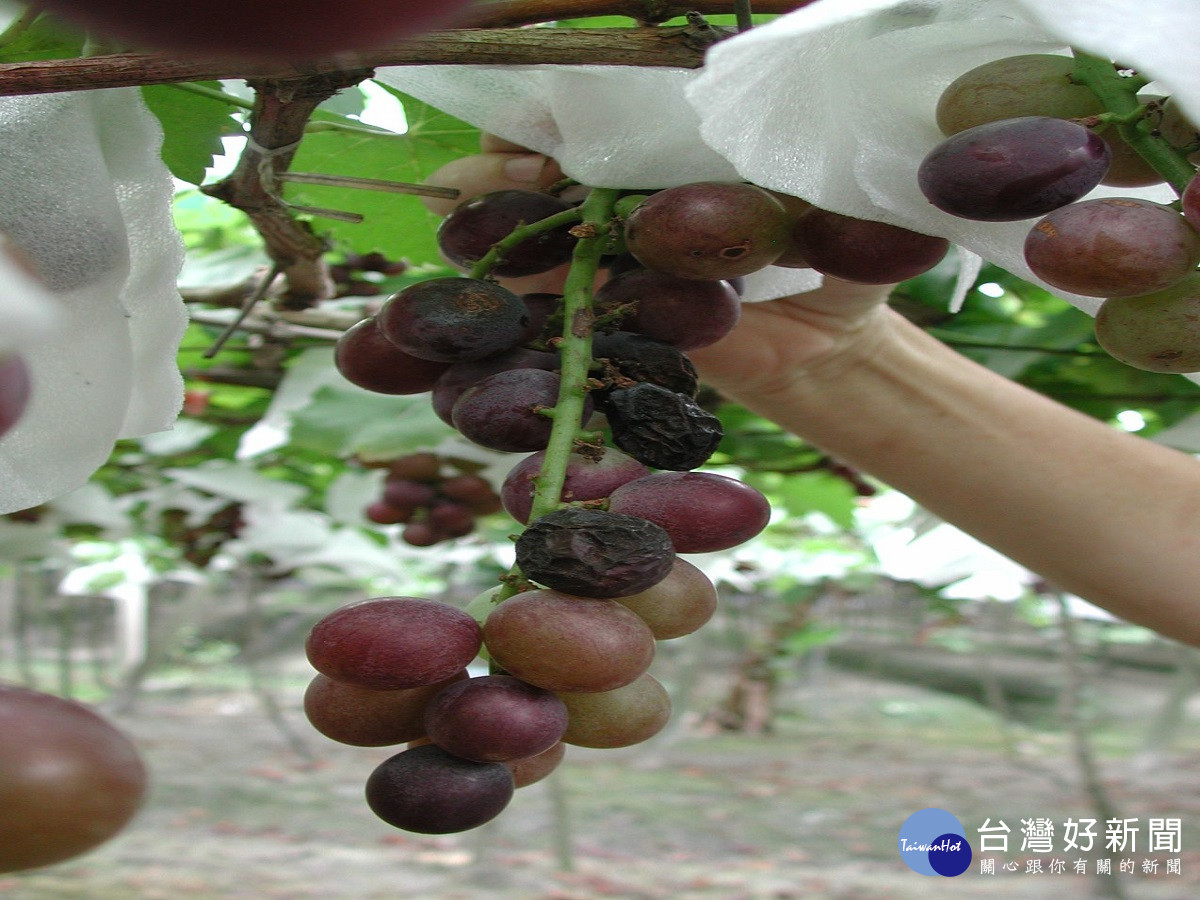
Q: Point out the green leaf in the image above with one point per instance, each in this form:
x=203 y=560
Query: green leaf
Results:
x=343 y=422
x=193 y=125
x=46 y=38
x=397 y=225
x=819 y=492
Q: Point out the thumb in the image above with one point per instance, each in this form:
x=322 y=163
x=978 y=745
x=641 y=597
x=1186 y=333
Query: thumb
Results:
x=485 y=172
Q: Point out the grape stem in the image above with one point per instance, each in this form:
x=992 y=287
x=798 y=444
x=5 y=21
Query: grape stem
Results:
x=1118 y=93
x=575 y=358
x=519 y=235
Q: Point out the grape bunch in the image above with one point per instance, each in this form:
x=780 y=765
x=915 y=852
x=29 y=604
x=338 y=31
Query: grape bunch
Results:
x=595 y=389
x=435 y=499
x=1027 y=137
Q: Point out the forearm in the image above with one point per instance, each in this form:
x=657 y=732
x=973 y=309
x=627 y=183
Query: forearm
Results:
x=1103 y=514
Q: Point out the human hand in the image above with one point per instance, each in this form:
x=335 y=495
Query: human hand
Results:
x=775 y=341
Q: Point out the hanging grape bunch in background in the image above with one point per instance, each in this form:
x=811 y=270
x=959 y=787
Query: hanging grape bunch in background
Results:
x=1031 y=136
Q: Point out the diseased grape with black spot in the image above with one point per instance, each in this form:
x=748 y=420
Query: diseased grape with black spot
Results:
x=661 y=428
x=454 y=319
x=1112 y=247
x=495 y=718
x=562 y=642
x=392 y=643
x=1013 y=169
x=469 y=232
x=864 y=251
x=627 y=358
x=684 y=312
x=707 y=230
x=593 y=553
x=429 y=791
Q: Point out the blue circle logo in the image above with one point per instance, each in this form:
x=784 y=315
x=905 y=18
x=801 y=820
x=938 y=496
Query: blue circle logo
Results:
x=933 y=842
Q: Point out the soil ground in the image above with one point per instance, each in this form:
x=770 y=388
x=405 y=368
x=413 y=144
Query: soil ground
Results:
x=811 y=810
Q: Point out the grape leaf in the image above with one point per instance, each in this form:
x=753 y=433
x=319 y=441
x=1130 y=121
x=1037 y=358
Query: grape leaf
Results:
x=397 y=225
x=345 y=421
x=45 y=38
x=193 y=125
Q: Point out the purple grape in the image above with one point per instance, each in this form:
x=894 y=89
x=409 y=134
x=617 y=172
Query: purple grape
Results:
x=365 y=357
x=429 y=791
x=469 y=232
x=1013 y=169
x=685 y=313
x=460 y=376
x=495 y=718
x=863 y=251
x=501 y=411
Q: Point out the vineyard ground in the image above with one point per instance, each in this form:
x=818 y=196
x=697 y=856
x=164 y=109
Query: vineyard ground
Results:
x=811 y=810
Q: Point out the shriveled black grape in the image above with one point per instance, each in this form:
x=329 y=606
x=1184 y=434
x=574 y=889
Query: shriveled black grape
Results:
x=593 y=553
x=707 y=230
x=661 y=428
x=454 y=319
x=1013 y=169
x=429 y=791
x=630 y=357
x=683 y=312
x=1112 y=247
x=864 y=251
x=469 y=232
x=501 y=411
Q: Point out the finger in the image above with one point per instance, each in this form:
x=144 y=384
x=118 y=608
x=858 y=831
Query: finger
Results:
x=490 y=143
x=484 y=172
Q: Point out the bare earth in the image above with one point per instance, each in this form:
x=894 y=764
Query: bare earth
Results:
x=810 y=811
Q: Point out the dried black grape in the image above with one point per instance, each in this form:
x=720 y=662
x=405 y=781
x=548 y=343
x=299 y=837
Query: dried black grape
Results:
x=637 y=358
x=662 y=429
x=593 y=553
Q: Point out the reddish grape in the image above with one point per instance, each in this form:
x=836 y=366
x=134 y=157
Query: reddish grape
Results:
x=1191 y=201
x=1112 y=247
x=383 y=513
x=1158 y=332
x=429 y=791
x=454 y=319
x=422 y=534
x=864 y=251
x=708 y=230
x=590 y=476
x=69 y=780
x=405 y=492
x=422 y=466
x=495 y=718
x=368 y=359
x=678 y=605
x=14 y=390
x=472 y=228
x=683 y=312
x=392 y=643
x=1013 y=169
x=452 y=519
x=701 y=511
x=362 y=717
x=621 y=717
x=564 y=643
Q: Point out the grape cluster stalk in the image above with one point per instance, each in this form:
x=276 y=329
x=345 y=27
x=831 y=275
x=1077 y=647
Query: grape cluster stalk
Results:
x=1030 y=137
